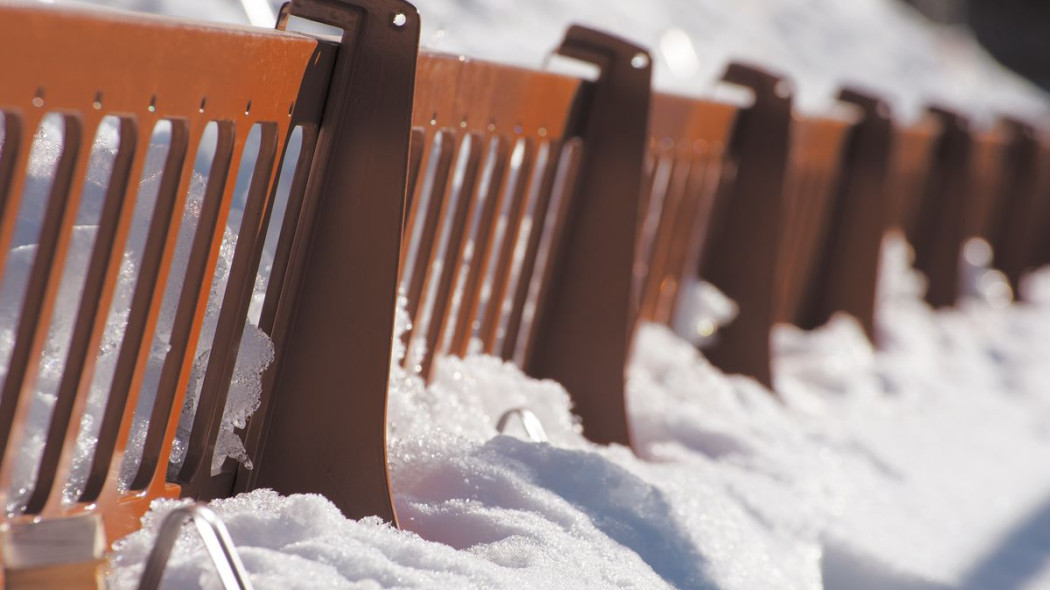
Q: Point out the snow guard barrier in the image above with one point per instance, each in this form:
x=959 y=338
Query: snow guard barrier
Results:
x=523 y=214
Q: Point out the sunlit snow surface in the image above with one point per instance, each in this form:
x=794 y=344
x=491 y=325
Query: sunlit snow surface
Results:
x=919 y=466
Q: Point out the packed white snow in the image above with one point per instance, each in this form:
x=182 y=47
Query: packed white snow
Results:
x=915 y=466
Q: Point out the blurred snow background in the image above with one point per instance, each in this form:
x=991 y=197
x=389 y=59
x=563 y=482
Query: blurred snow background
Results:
x=918 y=466
x=882 y=45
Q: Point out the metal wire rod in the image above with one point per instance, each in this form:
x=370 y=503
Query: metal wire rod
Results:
x=217 y=543
x=532 y=425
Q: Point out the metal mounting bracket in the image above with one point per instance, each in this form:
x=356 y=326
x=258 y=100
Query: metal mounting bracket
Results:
x=586 y=319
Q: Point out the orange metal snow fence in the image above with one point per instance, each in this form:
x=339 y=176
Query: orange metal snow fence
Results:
x=1037 y=252
x=686 y=163
x=847 y=261
x=107 y=72
x=798 y=204
x=911 y=163
x=519 y=241
x=1026 y=211
x=962 y=200
x=770 y=218
x=524 y=214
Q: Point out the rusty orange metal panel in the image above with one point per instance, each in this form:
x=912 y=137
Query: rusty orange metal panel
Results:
x=912 y=159
x=85 y=66
x=688 y=141
x=816 y=150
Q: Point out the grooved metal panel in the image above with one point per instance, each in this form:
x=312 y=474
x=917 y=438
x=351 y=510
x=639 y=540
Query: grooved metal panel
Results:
x=85 y=66
x=814 y=162
x=485 y=207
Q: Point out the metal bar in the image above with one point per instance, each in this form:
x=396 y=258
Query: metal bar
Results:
x=549 y=246
x=498 y=262
x=142 y=317
x=848 y=275
x=99 y=286
x=582 y=341
x=444 y=258
x=482 y=220
x=945 y=206
x=217 y=543
x=328 y=412
x=16 y=397
x=233 y=315
x=523 y=255
x=749 y=217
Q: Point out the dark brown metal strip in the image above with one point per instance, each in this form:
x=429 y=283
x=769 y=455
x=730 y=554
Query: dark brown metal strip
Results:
x=449 y=251
x=34 y=321
x=848 y=277
x=1027 y=188
x=233 y=314
x=526 y=244
x=482 y=222
x=70 y=399
x=741 y=256
x=940 y=225
x=500 y=251
x=582 y=341
x=327 y=420
x=549 y=247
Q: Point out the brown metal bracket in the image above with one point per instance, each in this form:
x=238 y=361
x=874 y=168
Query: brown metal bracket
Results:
x=860 y=216
x=938 y=234
x=587 y=317
x=1027 y=185
x=741 y=257
x=326 y=427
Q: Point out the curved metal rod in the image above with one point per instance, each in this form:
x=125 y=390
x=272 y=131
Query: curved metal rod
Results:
x=217 y=543
x=529 y=421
